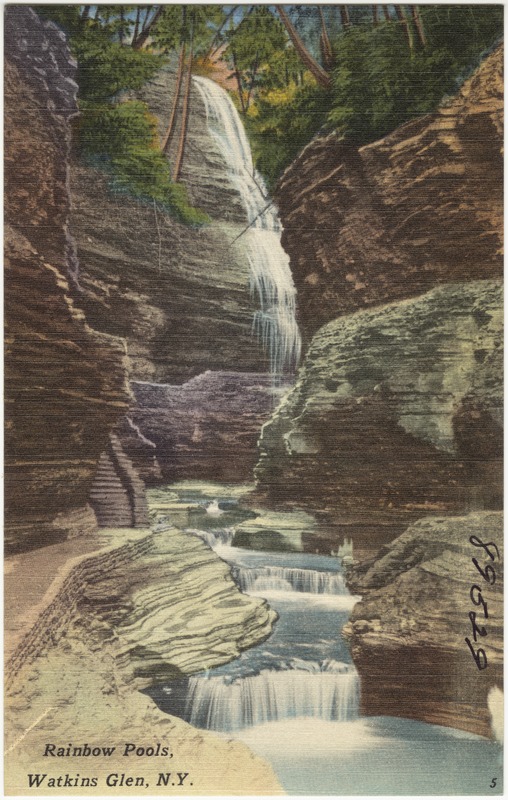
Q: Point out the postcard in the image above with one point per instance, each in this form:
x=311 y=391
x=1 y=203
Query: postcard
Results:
x=253 y=407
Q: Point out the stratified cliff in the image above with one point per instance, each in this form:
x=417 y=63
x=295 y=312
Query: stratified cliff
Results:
x=178 y=294
x=141 y=608
x=421 y=207
x=408 y=633
x=396 y=413
x=208 y=426
x=397 y=410
x=65 y=383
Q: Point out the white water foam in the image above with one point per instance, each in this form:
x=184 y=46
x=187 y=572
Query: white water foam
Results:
x=329 y=691
x=218 y=537
x=292 y=579
x=271 y=280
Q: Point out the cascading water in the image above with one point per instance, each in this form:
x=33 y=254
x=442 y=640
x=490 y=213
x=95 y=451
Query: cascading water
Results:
x=271 y=281
x=304 y=669
x=273 y=578
x=326 y=691
x=294 y=698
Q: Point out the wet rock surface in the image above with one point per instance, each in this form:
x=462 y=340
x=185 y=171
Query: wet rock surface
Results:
x=407 y=634
x=396 y=413
x=179 y=294
x=142 y=607
x=208 y=427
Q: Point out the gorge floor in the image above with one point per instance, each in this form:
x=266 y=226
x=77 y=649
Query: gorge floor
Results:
x=294 y=698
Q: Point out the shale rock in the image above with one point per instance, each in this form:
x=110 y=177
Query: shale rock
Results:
x=65 y=383
x=179 y=294
x=396 y=413
x=208 y=427
x=408 y=633
x=141 y=609
x=421 y=207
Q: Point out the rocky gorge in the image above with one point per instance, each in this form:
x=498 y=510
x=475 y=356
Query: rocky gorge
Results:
x=396 y=414
x=130 y=361
x=80 y=602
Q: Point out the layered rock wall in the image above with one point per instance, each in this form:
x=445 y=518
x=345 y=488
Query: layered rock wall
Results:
x=408 y=633
x=208 y=427
x=142 y=608
x=179 y=294
x=396 y=413
x=145 y=592
x=65 y=383
x=421 y=207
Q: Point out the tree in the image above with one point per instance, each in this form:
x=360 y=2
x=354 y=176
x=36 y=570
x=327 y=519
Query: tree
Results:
x=405 y=27
x=149 y=23
x=321 y=76
x=417 y=20
x=250 y=47
x=325 y=43
x=176 y=99
x=185 y=112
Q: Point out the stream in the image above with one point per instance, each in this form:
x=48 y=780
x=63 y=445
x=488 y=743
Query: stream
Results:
x=294 y=698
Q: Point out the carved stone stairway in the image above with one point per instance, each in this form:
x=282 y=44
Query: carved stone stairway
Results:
x=118 y=493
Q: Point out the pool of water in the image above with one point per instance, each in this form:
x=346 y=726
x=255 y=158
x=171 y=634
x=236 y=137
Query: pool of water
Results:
x=294 y=698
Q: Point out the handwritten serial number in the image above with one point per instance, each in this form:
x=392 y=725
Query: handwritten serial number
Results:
x=488 y=574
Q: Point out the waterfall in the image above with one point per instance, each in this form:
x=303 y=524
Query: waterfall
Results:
x=216 y=538
x=329 y=691
x=291 y=579
x=271 y=280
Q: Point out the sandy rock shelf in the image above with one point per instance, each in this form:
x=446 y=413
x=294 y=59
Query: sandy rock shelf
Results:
x=106 y=616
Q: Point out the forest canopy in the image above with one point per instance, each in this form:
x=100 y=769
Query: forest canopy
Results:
x=292 y=71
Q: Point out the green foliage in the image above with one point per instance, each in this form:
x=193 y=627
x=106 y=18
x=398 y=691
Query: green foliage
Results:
x=284 y=125
x=120 y=137
x=123 y=139
x=379 y=84
x=255 y=39
x=106 y=67
x=177 y=22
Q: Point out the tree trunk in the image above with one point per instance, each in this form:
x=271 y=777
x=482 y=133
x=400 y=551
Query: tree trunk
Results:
x=239 y=82
x=147 y=27
x=344 y=17
x=318 y=72
x=386 y=12
x=136 y=24
x=176 y=99
x=405 y=26
x=86 y=13
x=326 y=45
x=418 y=23
x=375 y=16
x=121 y=29
x=251 y=87
x=185 y=114
x=210 y=50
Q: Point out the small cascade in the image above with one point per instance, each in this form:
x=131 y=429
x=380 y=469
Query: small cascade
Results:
x=291 y=579
x=218 y=537
x=328 y=691
x=271 y=280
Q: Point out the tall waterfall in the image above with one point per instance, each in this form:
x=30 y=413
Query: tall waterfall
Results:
x=271 y=280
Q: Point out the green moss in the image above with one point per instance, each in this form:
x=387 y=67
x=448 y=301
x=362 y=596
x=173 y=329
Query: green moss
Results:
x=280 y=129
x=123 y=139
